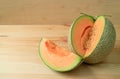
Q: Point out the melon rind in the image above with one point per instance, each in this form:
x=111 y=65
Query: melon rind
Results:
x=70 y=40
x=105 y=44
x=77 y=62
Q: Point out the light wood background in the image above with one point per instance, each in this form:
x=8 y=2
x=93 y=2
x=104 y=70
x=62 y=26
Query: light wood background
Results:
x=19 y=58
x=55 y=11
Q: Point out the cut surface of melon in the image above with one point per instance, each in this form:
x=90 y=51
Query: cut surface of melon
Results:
x=86 y=34
x=57 y=58
x=96 y=34
x=80 y=34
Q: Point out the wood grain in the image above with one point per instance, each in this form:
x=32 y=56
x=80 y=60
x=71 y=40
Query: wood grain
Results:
x=55 y=11
x=19 y=58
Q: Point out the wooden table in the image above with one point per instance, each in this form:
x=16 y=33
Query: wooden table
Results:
x=19 y=58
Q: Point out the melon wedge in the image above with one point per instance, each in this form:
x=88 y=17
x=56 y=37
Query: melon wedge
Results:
x=57 y=58
x=92 y=39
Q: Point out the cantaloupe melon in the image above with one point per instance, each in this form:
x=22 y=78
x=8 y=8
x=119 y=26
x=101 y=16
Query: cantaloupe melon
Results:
x=56 y=57
x=93 y=39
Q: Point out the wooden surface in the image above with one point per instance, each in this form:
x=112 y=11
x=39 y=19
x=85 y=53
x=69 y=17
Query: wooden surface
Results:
x=55 y=11
x=19 y=58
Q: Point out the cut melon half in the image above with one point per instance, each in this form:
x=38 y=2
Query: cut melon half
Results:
x=79 y=34
x=57 y=58
x=92 y=39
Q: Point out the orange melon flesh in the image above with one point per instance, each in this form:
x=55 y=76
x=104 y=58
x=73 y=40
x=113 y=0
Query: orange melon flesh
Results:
x=87 y=35
x=96 y=34
x=81 y=34
x=56 y=57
